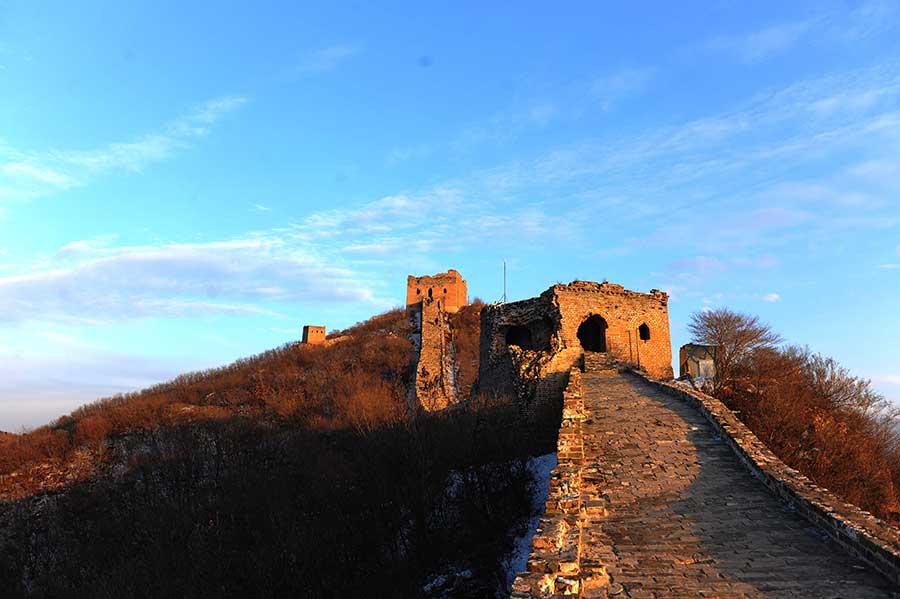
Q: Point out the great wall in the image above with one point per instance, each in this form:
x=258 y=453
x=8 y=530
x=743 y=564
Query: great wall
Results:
x=659 y=490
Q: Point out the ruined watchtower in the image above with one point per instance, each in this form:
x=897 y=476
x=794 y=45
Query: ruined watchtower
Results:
x=448 y=289
x=530 y=345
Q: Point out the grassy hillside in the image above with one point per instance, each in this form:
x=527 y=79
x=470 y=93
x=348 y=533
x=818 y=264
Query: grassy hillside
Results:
x=295 y=473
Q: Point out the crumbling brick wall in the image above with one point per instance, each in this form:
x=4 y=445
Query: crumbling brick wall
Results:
x=435 y=368
x=528 y=347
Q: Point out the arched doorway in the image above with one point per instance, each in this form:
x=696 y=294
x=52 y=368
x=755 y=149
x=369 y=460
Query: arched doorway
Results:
x=519 y=335
x=644 y=332
x=592 y=334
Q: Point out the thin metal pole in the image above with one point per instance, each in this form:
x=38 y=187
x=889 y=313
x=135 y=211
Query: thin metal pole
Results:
x=504 y=280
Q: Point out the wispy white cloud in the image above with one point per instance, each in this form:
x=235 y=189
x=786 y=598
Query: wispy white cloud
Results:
x=327 y=59
x=90 y=282
x=583 y=98
x=400 y=154
x=771 y=298
x=838 y=25
x=260 y=208
x=38 y=173
x=757 y=45
x=617 y=85
x=30 y=174
x=343 y=255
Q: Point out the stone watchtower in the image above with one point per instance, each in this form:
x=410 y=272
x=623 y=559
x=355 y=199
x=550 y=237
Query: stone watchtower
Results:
x=313 y=335
x=529 y=346
x=448 y=289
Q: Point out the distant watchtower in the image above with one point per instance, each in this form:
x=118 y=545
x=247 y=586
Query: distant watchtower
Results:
x=313 y=335
x=447 y=288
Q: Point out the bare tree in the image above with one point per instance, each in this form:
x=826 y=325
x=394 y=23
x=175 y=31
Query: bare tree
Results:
x=735 y=335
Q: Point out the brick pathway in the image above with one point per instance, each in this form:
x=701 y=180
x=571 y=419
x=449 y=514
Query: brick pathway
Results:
x=673 y=513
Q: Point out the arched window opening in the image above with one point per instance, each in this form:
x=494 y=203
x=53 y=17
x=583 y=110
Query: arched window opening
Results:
x=644 y=332
x=519 y=335
x=592 y=334
x=430 y=295
x=445 y=291
x=418 y=292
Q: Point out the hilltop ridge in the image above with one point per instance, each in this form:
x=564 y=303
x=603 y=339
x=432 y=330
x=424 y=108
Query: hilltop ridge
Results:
x=303 y=460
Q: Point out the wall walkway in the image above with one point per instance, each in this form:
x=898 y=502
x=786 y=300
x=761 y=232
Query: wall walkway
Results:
x=651 y=500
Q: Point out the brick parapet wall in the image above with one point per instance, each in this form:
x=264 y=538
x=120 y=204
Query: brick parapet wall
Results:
x=859 y=532
x=554 y=568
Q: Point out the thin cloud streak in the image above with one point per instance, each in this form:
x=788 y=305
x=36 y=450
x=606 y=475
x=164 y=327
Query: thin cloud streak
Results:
x=30 y=175
x=91 y=283
x=831 y=26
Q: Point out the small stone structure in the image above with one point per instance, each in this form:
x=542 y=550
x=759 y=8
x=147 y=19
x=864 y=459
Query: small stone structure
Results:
x=529 y=346
x=313 y=335
x=697 y=361
x=448 y=289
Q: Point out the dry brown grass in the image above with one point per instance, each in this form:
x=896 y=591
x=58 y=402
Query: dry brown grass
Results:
x=359 y=382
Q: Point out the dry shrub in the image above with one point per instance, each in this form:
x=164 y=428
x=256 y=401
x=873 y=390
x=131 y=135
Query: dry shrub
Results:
x=811 y=412
x=328 y=490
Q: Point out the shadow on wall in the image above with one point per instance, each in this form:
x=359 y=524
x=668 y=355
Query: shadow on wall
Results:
x=534 y=335
x=718 y=522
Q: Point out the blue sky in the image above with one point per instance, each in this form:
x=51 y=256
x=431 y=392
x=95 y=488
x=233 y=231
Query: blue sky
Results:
x=183 y=184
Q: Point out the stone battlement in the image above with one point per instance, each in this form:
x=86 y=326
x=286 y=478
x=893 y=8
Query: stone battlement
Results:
x=448 y=289
x=606 y=288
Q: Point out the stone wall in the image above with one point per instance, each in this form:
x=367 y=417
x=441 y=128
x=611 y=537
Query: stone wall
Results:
x=554 y=566
x=435 y=387
x=574 y=551
x=862 y=534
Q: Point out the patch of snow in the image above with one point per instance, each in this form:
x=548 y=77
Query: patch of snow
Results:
x=540 y=467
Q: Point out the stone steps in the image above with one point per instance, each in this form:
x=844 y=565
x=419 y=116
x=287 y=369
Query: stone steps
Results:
x=600 y=364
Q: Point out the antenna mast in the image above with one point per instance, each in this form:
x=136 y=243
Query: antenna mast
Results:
x=504 y=280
